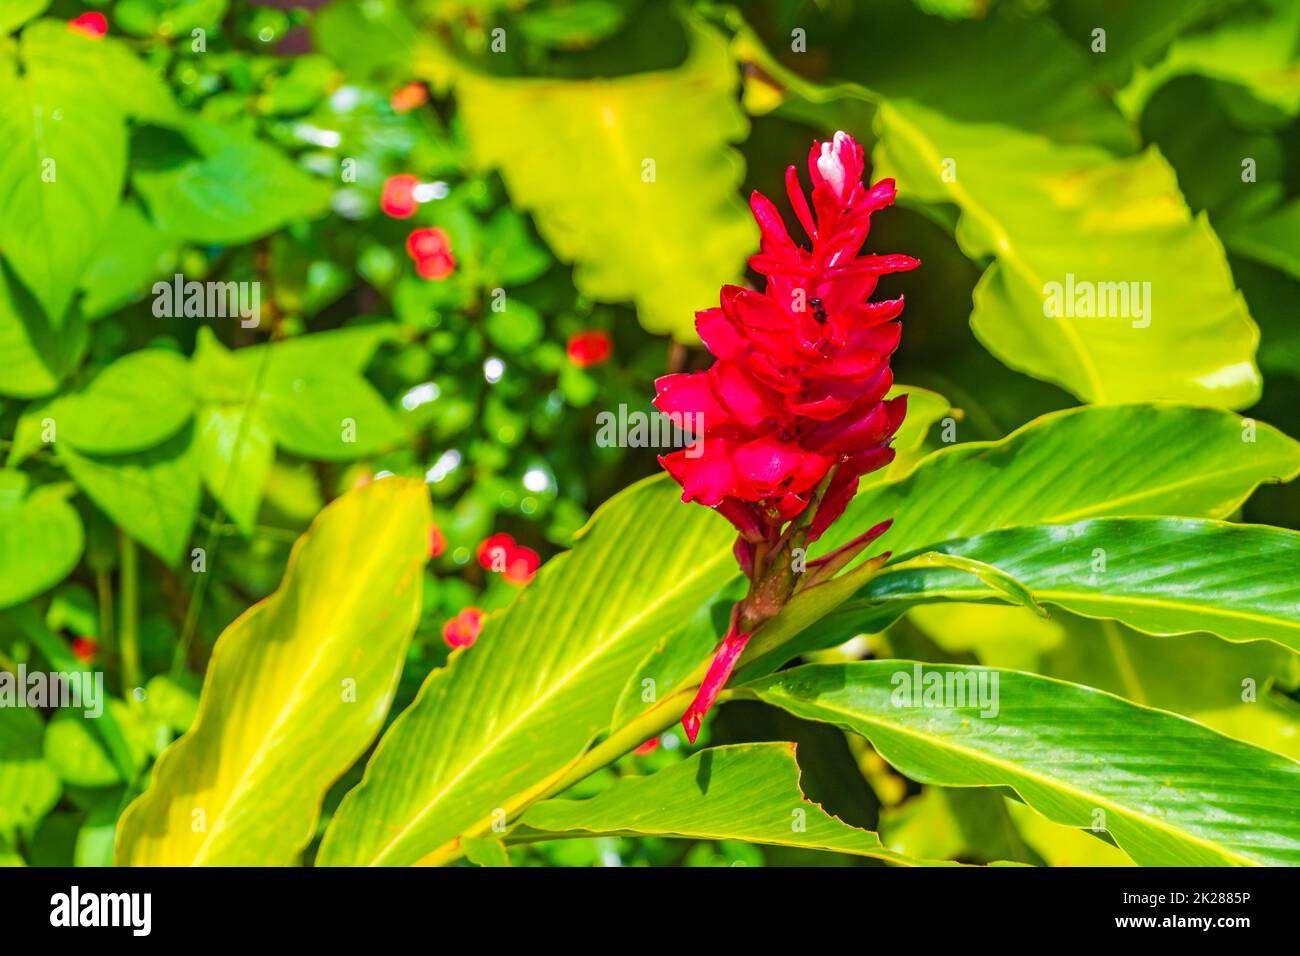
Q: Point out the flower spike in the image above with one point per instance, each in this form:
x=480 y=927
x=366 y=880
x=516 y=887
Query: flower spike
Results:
x=793 y=410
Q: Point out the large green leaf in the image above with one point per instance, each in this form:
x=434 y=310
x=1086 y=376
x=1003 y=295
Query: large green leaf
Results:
x=505 y=718
x=308 y=396
x=1074 y=220
x=139 y=401
x=1158 y=575
x=1077 y=464
x=29 y=788
x=40 y=538
x=237 y=190
x=1032 y=201
x=1237 y=688
x=1252 y=47
x=1064 y=467
x=1169 y=791
x=36 y=354
x=296 y=689
x=743 y=792
x=574 y=153
x=153 y=494
x=16 y=12
x=61 y=169
x=132 y=254
x=115 y=71
x=235 y=457
x=894 y=49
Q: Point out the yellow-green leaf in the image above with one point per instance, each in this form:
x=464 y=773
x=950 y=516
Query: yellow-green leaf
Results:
x=1066 y=225
x=744 y=792
x=632 y=179
x=296 y=689
x=502 y=723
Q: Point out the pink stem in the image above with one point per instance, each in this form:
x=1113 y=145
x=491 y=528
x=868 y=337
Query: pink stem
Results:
x=723 y=664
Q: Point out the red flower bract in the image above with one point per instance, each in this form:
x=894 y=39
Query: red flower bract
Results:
x=793 y=410
x=802 y=367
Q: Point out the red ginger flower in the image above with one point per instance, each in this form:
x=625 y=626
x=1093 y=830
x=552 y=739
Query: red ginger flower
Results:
x=793 y=408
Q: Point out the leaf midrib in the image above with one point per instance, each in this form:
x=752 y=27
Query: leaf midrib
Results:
x=1006 y=251
x=536 y=703
x=1015 y=770
x=361 y=587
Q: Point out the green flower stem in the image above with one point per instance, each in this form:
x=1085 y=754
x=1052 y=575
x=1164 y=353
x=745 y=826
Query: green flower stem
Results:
x=129 y=587
x=654 y=721
x=104 y=590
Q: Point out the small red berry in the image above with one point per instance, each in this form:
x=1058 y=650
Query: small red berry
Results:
x=423 y=243
x=93 y=25
x=409 y=97
x=522 y=565
x=589 y=348
x=84 y=649
x=437 y=542
x=463 y=629
x=431 y=250
x=436 y=268
x=398 y=199
x=495 y=552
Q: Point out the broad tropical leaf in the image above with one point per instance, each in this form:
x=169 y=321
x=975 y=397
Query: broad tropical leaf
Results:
x=1252 y=48
x=237 y=189
x=35 y=353
x=1158 y=575
x=308 y=396
x=1239 y=689
x=136 y=403
x=1138 y=304
x=743 y=792
x=505 y=718
x=29 y=787
x=1077 y=464
x=1031 y=200
x=61 y=170
x=153 y=494
x=296 y=689
x=1169 y=791
x=589 y=158
x=40 y=537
